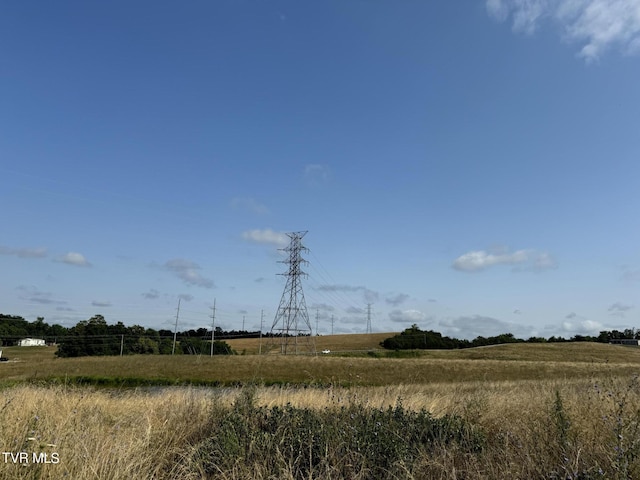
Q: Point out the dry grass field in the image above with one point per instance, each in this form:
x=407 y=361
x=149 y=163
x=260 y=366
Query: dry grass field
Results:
x=334 y=343
x=558 y=411
x=499 y=363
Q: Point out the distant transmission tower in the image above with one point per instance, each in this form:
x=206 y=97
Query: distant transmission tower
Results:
x=292 y=319
x=368 y=318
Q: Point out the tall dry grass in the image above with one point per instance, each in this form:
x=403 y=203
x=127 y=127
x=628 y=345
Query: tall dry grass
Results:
x=99 y=434
x=578 y=428
x=521 y=411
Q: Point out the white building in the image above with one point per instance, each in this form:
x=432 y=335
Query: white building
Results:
x=31 y=342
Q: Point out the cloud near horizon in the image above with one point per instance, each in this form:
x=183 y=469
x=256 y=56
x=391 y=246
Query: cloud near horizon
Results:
x=33 y=295
x=521 y=260
x=24 y=252
x=370 y=296
x=187 y=271
x=596 y=25
x=410 y=316
x=98 y=303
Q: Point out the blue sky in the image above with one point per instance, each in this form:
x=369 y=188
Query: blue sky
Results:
x=471 y=167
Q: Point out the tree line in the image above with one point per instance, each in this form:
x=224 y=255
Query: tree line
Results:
x=96 y=337
x=414 y=338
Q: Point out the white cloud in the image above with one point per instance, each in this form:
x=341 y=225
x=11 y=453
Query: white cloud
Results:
x=74 y=258
x=523 y=260
x=582 y=326
x=266 y=237
x=187 y=271
x=470 y=327
x=249 y=204
x=24 y=252
x=597 y=25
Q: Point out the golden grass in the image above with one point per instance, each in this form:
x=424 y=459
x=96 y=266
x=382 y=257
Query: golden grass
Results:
x=149 y=433
x=98 y=434
x=501 y=363
x=508 y=391
x=335 y=343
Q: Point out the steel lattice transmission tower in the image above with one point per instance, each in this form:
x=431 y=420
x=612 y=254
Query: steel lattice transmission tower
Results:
x=292 y=319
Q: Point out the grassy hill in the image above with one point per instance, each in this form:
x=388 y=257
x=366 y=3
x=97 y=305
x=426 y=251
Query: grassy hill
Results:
x=334 y=343
x=510 y=362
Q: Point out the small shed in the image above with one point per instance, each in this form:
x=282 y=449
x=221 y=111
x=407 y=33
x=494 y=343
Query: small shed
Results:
x=31 y=342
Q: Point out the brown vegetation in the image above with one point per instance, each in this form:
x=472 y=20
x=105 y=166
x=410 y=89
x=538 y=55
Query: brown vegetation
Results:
x=514 y=411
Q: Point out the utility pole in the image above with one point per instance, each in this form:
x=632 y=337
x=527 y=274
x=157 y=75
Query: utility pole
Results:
x=121 y=344
x=261 y=325
x=331 y=324
x=175 y=330
x=213 y=325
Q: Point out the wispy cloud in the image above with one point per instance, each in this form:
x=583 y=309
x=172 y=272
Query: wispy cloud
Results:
x=472 y=326
x=316 y=174
x=151 y=294
x=74 y=258
x=629 y=274
x=408 y=316
x=34 y=295
x=396 y=299
x=370 y=296
x=100 y=303
x=249 y=204
x=266 y=237
x=597 y=25
x=619 y=309
x=24 y=252
x=188 y=271
x=522 y=260
x=322 y=306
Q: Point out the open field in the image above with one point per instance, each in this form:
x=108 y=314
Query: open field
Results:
x=335 y=343
x=521 y=411
x=499 y=363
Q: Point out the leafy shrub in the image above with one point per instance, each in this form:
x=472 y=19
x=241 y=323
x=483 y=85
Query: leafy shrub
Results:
x=351 y=442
